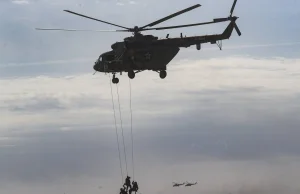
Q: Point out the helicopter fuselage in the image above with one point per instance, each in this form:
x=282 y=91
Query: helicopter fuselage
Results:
x=147 y=52
x=149 y=58
x=138 y=53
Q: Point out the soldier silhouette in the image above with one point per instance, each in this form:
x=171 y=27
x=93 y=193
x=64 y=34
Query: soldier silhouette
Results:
x=127 y=183
x=134 y=188
x=122 y=191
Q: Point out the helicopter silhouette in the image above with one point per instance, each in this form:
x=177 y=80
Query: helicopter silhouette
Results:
x=190 y=184
x=146 y=52
x=177 y=184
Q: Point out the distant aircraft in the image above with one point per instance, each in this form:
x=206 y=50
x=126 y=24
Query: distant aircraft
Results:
x=177 y=184
x=190 y=184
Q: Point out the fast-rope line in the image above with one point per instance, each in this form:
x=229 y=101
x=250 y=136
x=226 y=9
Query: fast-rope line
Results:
x=131 y=129
x=112 y=99
x=122 y=129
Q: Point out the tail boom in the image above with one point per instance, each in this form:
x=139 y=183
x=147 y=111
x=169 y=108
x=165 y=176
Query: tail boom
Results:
x=197 y=40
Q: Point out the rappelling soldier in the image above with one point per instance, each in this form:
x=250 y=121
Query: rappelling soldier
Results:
x=134 y=188
x=122 y=191
x=127 y=183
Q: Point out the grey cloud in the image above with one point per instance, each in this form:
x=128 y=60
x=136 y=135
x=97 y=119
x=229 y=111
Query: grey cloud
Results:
x=51 y=155
x=228 y=127
x=20 y=2
x=43 y=104
x=218 y=67
x=48 y=103
x=210 y=128
x=266 y=187
x=43 y=157
x=229 y=90
x=222 y=140
x=210 y=138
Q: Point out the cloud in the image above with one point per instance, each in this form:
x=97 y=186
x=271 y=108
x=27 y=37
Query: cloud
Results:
x=52 y=62
x=276 y=175
x=231 y=124
x=230 y=80
x=20 y=2
x=36 y=105
x=122 y=2
x=238 y=47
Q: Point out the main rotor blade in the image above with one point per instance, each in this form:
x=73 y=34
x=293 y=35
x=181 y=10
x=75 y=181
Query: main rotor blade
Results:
x=171 y=16
x=96 y=19
x=181 y=26
x=62 y=29
x=221 y=19
x=233 y=6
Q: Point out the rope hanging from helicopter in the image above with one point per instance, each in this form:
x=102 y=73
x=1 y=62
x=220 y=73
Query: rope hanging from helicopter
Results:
x=122 y=129
x=131 y=129
x=121 y=123
x=112 y=99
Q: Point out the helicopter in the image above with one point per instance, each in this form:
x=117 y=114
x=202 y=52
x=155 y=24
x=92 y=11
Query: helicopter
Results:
x=177 y=184
x=140 y=52
x=190 y=184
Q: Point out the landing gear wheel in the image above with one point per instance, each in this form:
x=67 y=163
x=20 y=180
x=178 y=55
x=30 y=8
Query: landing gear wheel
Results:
x=162 y=74
x=115 y=80
x=131 y=74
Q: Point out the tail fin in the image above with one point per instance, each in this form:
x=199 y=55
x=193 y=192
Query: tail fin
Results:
x=228 y=31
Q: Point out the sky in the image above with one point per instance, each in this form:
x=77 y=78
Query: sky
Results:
x=228 y=120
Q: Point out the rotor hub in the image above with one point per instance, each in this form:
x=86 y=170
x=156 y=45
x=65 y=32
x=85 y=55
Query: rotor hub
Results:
x=233 y=18
x=136 y=29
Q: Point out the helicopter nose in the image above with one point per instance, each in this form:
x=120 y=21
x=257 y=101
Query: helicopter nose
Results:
x=97 y=66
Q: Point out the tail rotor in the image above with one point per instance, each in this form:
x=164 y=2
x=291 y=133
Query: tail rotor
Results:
x=230 y=18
